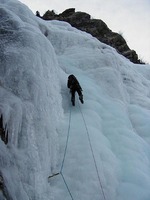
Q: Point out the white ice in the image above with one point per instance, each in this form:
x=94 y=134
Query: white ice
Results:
x=100 y=148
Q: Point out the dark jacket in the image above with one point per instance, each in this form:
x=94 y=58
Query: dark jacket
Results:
x=73 y=83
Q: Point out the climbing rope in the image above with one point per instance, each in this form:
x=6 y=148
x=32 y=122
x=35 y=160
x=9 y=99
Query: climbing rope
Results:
x=65 y=151
x=61 y=169
x=100 y=182
x=66 y=141
x=66 y=185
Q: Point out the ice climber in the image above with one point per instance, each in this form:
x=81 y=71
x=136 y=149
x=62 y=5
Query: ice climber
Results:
x=74 y=86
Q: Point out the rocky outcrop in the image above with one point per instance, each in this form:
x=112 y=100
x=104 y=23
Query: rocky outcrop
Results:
x=96 y=28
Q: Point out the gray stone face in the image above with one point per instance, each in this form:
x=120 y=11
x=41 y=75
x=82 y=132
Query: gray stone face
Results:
x=97 y=28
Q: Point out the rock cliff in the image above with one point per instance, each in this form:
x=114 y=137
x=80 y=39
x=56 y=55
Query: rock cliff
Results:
x=96 y=28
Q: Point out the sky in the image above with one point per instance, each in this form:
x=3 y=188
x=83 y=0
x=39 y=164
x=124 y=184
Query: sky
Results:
x=130 y=18
x=99 y=149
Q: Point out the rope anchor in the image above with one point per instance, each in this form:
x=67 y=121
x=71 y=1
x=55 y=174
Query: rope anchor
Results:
x=53 y=175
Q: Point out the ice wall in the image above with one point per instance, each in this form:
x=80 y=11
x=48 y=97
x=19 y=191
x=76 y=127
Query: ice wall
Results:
x=30 y=102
